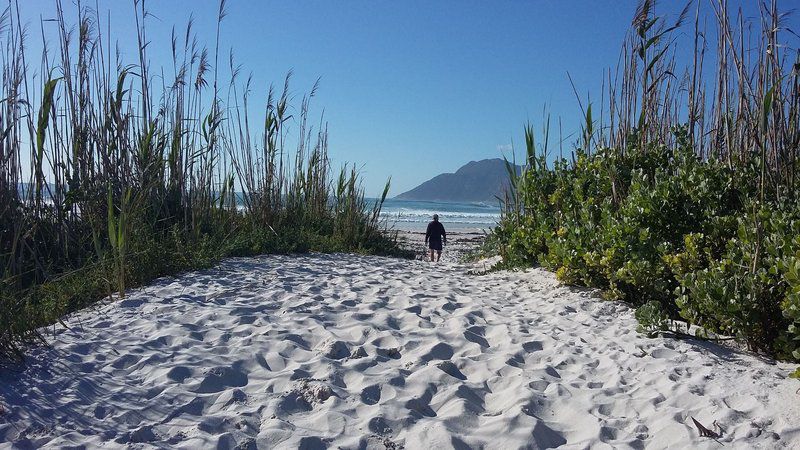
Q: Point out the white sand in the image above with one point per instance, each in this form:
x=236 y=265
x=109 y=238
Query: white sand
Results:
x=367 y=352
x=459 y=243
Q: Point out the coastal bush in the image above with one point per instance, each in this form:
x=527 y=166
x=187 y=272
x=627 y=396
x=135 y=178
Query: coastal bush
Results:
x=747 y=291
x=695 y=222
x=682 y=239
x=790 y=306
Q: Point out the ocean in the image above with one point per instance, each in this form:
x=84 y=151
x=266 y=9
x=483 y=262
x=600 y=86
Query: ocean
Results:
x=410 y=215
x=414 y=215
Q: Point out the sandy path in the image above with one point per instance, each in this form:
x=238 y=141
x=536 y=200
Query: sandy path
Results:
x=368 y=352
x=459 y=243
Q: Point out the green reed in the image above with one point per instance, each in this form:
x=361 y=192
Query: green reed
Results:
x=115 y=172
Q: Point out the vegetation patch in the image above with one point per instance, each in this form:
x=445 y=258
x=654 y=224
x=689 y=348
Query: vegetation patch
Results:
x=129 y=179
x=686 y=208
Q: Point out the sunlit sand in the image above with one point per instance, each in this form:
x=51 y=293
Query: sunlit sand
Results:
x=367 y=352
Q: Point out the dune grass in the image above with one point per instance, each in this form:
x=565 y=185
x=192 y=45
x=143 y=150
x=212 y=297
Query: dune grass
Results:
x=113 y=172
x=682 y=196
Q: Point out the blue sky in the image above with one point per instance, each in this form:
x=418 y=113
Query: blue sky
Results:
x=409 y=89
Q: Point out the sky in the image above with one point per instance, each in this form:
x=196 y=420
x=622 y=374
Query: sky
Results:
x=409 y=89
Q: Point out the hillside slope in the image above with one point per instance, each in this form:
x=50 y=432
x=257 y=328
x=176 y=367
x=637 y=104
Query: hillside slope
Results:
x=476 y=181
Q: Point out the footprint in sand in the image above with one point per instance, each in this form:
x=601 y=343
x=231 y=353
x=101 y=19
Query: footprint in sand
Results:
x=605 y=410
x=131 y=303
x=100 y=412
x=414 y=309
x=371 y=395
x=398 y=381
x=304 y=395
x=363 y=317
x=87 y=367
x=125 y=361
x=422 y=405
x=235 y=396
x=299 y=374
x=392 y=353
x=550 y=370
x=246 y=320
x=220 y=378
x=392 y=323
x=441 y=351
x=153 y=392
x=663 y=353
x=742 y=403
x=140 y=435
x=312 y=443
x=293 y=402
x=533 y=346
x=608 y=434
x=538 y=406
x=334 y=349
x=82 y=349
x=195 y=407
x=539 y=385
x=358 y=353
x=475 y=398
x=451 y=369
x=516 y=360
x=379 y=425
x=451 y=306
x=546 y=437
x=475 y=334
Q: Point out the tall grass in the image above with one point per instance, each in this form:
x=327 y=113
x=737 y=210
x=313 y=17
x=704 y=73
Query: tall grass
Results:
x=741 y=110
x=683 y=197
x=114 y=172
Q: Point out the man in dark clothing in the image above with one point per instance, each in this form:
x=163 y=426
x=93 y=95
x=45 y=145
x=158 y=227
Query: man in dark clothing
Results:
x=435 y=236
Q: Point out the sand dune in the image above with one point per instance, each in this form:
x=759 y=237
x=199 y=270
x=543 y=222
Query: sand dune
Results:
x=366 y=352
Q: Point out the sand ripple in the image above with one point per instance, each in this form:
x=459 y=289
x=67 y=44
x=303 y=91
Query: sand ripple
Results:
x=347 y=351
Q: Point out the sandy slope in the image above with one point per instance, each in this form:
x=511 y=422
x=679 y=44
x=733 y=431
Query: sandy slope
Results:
x=367 y=352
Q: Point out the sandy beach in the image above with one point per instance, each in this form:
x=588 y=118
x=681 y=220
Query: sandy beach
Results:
x=459 y=244
x=346 y=351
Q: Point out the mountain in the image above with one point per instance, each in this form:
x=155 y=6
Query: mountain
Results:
x=476 y=181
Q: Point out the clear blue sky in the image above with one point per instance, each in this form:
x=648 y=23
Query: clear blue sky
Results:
x=410 y=89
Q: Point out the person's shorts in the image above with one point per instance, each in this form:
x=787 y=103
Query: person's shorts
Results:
x=435 y=245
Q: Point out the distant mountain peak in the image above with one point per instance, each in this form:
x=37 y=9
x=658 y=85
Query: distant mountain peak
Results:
x=475 y=181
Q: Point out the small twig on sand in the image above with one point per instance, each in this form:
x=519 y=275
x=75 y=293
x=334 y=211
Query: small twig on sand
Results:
x=705 y=432
x=719 y=428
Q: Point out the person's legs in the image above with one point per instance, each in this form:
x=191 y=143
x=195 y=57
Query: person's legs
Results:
x=438 y=255
x=431 y=256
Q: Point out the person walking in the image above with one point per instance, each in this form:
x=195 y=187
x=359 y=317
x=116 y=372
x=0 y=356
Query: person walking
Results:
x=435 y=236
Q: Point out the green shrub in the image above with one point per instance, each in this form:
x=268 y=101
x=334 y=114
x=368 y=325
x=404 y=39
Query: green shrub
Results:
x=679 y=237
x=790 y=339
x=698 y=222
x=746 y=292
x=652 y=318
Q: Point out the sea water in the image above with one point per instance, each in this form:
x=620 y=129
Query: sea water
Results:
x=414 y=215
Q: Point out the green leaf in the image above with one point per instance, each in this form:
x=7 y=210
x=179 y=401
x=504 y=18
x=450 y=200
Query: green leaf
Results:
x=112 y=223
x=767 y=108
x=41 y=127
